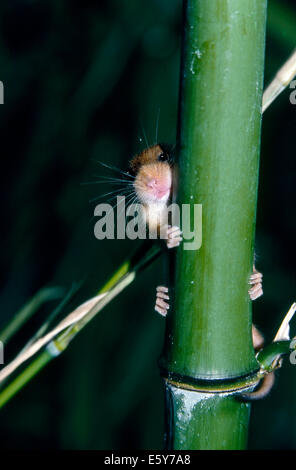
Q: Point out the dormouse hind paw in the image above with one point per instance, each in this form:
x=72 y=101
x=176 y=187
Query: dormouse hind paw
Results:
x=256 y=283
x=161 y=306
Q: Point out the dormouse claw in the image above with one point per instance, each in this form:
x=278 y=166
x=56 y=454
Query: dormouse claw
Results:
x=174 y=236
x=256 y=283
x=160 y=305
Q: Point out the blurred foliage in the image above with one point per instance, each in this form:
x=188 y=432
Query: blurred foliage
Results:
x=81 y=78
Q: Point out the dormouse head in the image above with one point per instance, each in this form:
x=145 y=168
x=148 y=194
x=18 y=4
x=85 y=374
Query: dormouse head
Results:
x=152 y=170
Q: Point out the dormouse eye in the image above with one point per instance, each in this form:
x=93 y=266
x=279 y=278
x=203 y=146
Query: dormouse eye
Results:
x=163 y=157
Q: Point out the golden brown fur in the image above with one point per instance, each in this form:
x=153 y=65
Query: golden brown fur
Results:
x=149 y=155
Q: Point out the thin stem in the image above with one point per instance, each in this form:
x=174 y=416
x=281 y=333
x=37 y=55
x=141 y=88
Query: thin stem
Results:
x=26 y=312
x=24 y=377
x=140 y=259
x=281 y=80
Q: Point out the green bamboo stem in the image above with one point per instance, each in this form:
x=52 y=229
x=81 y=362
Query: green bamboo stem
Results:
x=209 y=332
x=268 y=355
x=206 y=418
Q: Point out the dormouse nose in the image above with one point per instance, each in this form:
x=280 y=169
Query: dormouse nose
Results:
x=152 y=183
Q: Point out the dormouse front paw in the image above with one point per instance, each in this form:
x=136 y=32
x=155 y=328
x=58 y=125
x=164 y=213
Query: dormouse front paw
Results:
x=174 y=236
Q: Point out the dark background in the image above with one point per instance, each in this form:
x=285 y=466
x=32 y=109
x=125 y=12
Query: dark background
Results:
x=81 y=78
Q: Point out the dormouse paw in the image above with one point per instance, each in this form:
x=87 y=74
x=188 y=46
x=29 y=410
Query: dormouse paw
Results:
x=174 y=236
x=256 y=283
x=161 y=306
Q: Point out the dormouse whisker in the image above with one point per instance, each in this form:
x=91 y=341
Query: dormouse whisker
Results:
x=116 y=191
x=111 y=167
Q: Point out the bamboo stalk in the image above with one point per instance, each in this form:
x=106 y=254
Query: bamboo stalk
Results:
x=209 y=332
